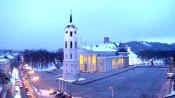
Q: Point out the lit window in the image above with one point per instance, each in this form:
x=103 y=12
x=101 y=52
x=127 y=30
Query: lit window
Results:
x=70 y=44
x=70 y=33
x=94 y=62
x=81 y=62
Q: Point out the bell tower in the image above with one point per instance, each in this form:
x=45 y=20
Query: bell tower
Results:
x=70 y=63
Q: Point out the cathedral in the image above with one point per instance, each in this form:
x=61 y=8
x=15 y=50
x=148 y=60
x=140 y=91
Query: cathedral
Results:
x=103 y=57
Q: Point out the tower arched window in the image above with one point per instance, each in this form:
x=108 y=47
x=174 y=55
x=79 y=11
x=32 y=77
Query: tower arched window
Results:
x=70 y=44
x=66 y=32
x=66 y=56
x=75 y=44
x=70 y=33
x=65 y=44
x=70 y=56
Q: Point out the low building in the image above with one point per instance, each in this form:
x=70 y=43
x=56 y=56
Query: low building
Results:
x=133 y=58
x=4 y=66
x=102 y=57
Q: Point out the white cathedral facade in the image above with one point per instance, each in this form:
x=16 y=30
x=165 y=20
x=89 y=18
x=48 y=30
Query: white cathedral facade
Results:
x=99 y=58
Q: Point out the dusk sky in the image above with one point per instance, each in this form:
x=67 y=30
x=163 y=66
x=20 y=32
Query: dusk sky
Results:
x=35 y=24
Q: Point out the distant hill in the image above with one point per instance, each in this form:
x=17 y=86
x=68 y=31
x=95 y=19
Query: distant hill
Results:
x=137 y=46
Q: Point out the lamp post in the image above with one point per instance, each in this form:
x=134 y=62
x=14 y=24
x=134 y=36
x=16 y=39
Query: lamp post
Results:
x=59 y=85
x=62 y=85
x=112 y=91
x=65 y=86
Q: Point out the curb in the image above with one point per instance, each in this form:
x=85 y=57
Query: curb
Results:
x=94 y=80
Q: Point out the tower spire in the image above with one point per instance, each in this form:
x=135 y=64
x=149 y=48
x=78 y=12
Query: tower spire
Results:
x=70 y=16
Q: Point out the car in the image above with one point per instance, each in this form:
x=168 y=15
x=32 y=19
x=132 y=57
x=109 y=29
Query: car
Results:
x=23 y=79
x=68 y=96
x=53 y=93
x=16 y=89
x=170 y=75
x=21 y=86
x=29 y=95
x=18 y=82
x=26 y=89
x=58 y=95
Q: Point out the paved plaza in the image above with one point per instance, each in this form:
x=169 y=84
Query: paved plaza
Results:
x=139 y=82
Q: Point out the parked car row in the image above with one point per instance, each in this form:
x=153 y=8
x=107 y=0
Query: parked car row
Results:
x=62 y=95
x=22 y=85
x=58 y=94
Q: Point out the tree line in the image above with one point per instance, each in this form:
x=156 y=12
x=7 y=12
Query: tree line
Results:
x=154 y=55
x=43 y=57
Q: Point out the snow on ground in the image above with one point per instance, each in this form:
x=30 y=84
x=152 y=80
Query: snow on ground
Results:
x=43 y=92
x=15 y=76
x=171 y=94
x=0 y=89
x=49 y=68
x=146 y=44
x=81 y=79
x=66 y=80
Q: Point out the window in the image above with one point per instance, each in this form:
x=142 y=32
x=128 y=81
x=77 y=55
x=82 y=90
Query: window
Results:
x=66 y=56
x=65 y=44
x=70 y=44
x=71 y=65
x=75 y=32
x=70 y=33
x=66 y=32
x=70 y=56
x=75 y=44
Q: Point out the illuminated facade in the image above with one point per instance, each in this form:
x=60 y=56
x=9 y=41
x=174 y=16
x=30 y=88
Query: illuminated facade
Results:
x=101 y=58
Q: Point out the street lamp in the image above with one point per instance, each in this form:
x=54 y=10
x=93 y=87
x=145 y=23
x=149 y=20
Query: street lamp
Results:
x=59 y=84
x=65 y=86
x=62 y=85
x=110 y=87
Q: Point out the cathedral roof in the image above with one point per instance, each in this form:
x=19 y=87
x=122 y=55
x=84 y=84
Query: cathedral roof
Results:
x=109 y=47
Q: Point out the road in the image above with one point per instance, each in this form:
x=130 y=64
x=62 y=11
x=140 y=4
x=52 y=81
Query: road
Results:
x=137 y=83
x=28 y=85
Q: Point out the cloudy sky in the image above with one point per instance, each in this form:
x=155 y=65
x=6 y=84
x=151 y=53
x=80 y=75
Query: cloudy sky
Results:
x=35 y=24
